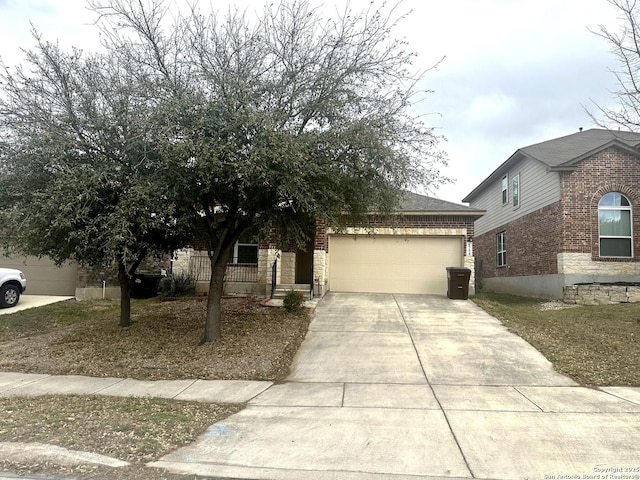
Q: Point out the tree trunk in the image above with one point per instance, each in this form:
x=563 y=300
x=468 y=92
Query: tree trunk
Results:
x=125 y=295
x=213 y=324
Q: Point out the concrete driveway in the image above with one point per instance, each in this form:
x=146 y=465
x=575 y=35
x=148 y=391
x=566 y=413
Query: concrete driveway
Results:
x=420 y=387
x=32 y=301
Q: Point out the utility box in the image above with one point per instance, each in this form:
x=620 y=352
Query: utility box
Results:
x=458 y=283
x=145 y=285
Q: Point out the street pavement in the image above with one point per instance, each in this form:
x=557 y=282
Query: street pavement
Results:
x=399 y=387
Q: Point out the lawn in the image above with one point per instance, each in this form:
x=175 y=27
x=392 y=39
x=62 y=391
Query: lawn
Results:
x=595 y=345
x=136 y=430
x=83 y=338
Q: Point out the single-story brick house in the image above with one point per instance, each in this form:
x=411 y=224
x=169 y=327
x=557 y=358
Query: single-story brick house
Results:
x=561 y=212
x=407 y=253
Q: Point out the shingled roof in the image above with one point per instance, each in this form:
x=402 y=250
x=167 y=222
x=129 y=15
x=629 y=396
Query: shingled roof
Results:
x=564 y=153
x=421 y=204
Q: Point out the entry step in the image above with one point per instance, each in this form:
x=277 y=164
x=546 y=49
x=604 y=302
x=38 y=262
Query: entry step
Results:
x=282 y=289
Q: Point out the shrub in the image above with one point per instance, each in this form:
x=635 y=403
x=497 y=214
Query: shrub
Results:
x=293 y=301
x=177 y=285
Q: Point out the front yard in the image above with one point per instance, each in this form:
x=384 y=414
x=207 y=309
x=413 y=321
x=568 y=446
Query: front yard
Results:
x=83 y=338
x=595 y=345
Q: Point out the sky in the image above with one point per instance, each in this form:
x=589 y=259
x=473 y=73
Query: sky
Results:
x=514 y=72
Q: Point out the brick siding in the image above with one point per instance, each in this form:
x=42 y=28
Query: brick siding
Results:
x=569 y=226
x=611 y=170
x=427 y=222
x=321 y=241
x=532 y=242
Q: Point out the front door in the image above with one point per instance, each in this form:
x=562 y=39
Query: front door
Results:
x=304 y=263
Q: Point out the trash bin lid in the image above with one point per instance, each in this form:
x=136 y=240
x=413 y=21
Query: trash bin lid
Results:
x=459 y=269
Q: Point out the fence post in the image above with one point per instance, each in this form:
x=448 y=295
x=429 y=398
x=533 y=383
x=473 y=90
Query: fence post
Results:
x=274 y=276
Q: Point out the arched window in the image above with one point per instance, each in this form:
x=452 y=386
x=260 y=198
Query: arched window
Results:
x=614 y=218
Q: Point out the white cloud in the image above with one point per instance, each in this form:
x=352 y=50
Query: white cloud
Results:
x=516 y=71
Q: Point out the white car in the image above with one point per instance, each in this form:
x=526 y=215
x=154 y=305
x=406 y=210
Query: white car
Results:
x=13 y=283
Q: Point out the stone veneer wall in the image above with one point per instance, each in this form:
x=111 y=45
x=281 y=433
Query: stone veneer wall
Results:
x=320 y=271
x=584 y=264
x=287 y=266
x=181 y=260
x=601 y=294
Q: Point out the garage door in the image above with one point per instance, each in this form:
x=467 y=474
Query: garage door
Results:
x=43 y=277
x=392 y=264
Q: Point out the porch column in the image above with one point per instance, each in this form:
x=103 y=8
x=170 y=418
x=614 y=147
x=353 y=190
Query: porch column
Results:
x=181 y=260
x=287 y=266
x=320 y=273
x=266 y=257
x=470 y=263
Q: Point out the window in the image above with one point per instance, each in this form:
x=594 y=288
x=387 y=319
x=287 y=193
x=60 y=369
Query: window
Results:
x=246 y=249
x=505 y=189
x=614 y=219
x=515 y=188
x=245 y=253
x=502 y=249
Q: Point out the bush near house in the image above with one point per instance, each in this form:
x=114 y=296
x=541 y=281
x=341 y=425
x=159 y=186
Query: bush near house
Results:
x=293 y=301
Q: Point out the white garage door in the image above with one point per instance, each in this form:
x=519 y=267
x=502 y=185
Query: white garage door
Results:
x=392 y=264
x=43 y=277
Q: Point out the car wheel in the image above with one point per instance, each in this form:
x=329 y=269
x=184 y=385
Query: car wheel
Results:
x=9 y=296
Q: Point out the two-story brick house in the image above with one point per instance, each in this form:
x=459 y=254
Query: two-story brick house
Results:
x=560 y=212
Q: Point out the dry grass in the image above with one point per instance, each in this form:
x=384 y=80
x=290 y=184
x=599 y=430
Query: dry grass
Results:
x=142 y=428
x=595 y=345
x=83 y=338
x=136 y=430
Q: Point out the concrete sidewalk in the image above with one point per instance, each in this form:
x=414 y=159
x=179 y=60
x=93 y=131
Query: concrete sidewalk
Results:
x=420 y=387
x=214 y=391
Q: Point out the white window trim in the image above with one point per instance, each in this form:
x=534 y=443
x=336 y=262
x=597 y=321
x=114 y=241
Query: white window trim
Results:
x=234 y=257
x=615 y=208
x=515 y=192
x=504 y=189
x=503 y=251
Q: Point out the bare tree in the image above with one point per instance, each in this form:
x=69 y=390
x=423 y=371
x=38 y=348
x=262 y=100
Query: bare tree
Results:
x=625 y=45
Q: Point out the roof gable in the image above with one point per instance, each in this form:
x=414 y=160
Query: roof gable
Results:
x=575 y=147
x=564 y=153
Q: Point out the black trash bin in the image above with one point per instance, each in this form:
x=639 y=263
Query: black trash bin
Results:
x=458 y=283
x=145 y=285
